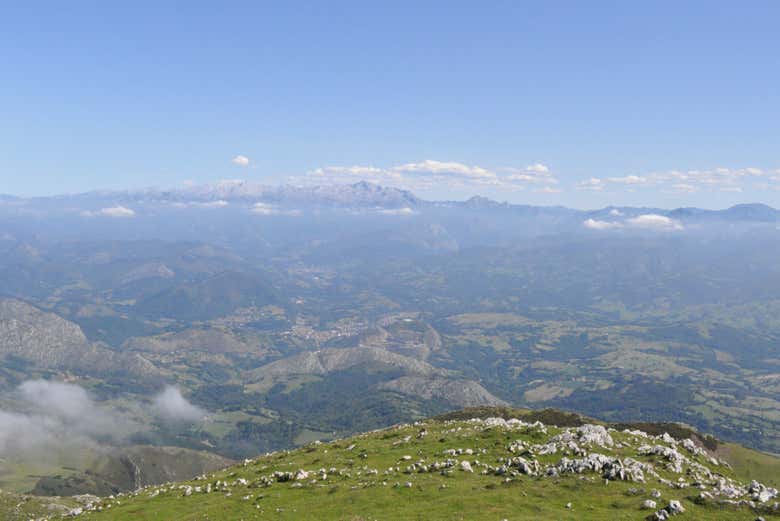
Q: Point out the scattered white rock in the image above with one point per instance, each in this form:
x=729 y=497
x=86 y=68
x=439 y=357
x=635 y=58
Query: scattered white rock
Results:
x=675 y=507
x=648 y=504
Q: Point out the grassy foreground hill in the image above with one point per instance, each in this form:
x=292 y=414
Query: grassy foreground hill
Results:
x=484 y=463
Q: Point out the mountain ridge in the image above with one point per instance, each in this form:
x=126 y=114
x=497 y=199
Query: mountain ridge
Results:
x=364 y=194
x=476 y=463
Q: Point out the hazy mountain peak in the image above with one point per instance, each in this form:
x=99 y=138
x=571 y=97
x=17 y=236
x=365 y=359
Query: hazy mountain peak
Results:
x=753 y=212
x=479 y=201
x=362 y=194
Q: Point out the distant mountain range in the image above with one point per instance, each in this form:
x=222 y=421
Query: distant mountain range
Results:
x=288 y=314
x=361 y=195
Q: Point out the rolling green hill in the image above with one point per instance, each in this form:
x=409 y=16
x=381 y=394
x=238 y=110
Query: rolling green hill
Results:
x=487 y=463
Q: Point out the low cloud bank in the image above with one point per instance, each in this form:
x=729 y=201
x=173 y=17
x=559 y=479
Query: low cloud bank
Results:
x=594 y=224
x=397 y=211
x=54 y=416
x=642 y=222
x=171 y=405
x=115 y=212
x=269 y=209
x=654 y=222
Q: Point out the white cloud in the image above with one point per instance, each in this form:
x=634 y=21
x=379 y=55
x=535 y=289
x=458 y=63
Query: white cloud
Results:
x=51 y=417
x=240 y=160
x=548 y=190
x=629 y=180
x=207 y=204
x=264 y=209
x=431 y=173
x=116 y=212
x=63 y=400
x=534 y=174
x=682 y=181
x=594 y=224
x=684 y=188
x=56 y=415
x=356 y=170
x=652 y=221
x=171 y=405
x=538 y=168
x=642 y=222
x=269 y=209
x=214 y=204
x=397 y=211
x=430 y=166
x=615 y=212
x=594 y=184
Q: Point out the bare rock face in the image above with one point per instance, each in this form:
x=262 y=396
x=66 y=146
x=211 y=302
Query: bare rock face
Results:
x=463 y=393
x=48 y=341
x=420 y=379
x=151 y=270
x=586 y=435
x=44 y=339
x=327 y=361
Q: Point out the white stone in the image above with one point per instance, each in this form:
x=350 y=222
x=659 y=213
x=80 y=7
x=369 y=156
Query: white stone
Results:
x=675 y=507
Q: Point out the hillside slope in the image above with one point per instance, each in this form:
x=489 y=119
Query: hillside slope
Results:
x=130 y=468
x=32 y=339
x=478 y=468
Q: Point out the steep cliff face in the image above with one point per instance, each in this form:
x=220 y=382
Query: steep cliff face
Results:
x=47 y=341
x=41 y=338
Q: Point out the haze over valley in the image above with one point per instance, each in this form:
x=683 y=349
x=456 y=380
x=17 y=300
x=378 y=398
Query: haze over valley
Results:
x=352 y=261
x=193 y=320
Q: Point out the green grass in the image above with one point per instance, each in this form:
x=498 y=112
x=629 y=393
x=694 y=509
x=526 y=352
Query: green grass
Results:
x=20 y=473
x=222 y=423
x=750 y=464
x=353 y=493
x=17 y=507
x=310 y=436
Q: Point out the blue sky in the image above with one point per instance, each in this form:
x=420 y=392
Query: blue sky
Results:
x=577 y=103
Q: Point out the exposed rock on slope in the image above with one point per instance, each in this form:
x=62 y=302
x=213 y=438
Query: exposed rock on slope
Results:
x=462 y=393
x=151 y=270
x=419 y=378
x=326 y=361
x=359 y=195
x=509 y=468
x=48 y=341
x=42 y=338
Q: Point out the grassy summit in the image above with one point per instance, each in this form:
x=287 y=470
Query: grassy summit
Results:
x=478 y=468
